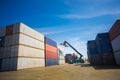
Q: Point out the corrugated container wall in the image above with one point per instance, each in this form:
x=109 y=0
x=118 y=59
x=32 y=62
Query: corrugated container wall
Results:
x=61 y=57
x=21 y=47
x=114 y=34
x=94 y=57
x=115 y=30
x=51 y=56
x=103 y=43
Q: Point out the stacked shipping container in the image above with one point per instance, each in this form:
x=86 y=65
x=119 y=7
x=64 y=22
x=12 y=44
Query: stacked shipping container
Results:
x=114 y=34
x=61 y=57
x=105 y=49
x=100 y=50
x=93 y=56
x=20 y=47
x=51 y=56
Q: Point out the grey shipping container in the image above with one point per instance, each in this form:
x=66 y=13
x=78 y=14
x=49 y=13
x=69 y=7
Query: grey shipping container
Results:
x=116 y=44
x=117 y=57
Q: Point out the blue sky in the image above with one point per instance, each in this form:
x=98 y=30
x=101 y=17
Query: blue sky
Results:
x=75 y=21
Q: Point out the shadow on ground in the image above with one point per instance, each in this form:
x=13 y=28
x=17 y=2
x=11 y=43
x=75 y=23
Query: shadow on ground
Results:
x=98 y=67
x=106 y=67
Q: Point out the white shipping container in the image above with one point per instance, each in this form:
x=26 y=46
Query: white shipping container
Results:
x=2 y=31
x=30 y=52
x=116 y=44
x=22 y=28
x=28 y=41
x=117 y=57
x=24 y=63
x=61 y=61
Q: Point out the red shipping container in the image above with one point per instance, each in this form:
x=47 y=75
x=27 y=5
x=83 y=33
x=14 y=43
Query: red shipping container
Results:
x=50 y=48
x=51 y=55
x=115 y=30
x=9 y=30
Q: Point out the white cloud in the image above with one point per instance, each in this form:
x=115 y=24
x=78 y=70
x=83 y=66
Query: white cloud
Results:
x=89 y=15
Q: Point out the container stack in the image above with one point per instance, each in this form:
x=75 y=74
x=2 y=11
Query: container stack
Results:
x=93 y=56
x=114 y=34
x=20 y=47
x=61 y=57
x=100 y=50
x=51 y=52
x=105 y=49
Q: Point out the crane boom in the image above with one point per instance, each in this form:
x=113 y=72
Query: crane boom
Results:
x=66 y=43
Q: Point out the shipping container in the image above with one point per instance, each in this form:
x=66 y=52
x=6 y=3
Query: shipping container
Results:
x=117 y=57
x=50 y=48
x=91 y=47
x=2 y=31
x=103 y=43
x=61 y=61
x=50 y=62
x=9 y=52
x=52 y=55
x=26 y=62
x=9 y=30
x=25 y=51
x=9 y=64
x=108 y=59
x=2 y=41
x=24 y=29
x=96 y=59
x=50 y=42
x=0 y=64
x=31 y=42
x=115 y=30
x=116 y=44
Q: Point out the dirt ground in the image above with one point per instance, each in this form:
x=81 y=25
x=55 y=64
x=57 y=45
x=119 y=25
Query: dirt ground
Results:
x=65 y=72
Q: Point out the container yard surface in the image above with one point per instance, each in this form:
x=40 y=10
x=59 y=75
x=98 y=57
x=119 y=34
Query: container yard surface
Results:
x=65 y=72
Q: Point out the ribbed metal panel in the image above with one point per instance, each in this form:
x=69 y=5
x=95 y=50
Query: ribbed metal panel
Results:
x=117 y=57
x=50 y=62
x=61 y=61
x=50 y=42
x=2 y=41
x=26 y=51
x=116 y=44
x=115 y=30
x=2 y=31
x=24 y=29
x=24 y=63
x=96 y=59
x=29 y=41
x=92 y=47
x=9 y=64
x=103 y=43
x=52 y=55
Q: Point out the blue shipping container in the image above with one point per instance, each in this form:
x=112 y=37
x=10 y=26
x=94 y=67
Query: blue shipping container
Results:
x=50 y=62
x=91 y=47
x=103 y=43
x=50 y=42
x=2 y=41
